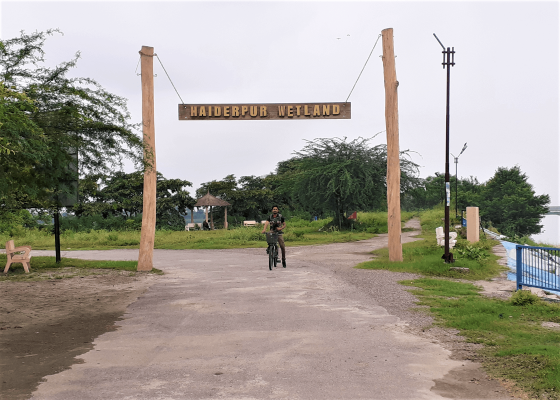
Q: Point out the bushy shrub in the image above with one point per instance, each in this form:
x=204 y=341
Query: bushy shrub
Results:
x=246 y=234
x=298 y=233
x=297 y=222
x=372 y=220
x=16 y=231
x=524 y=298
x=14 y=223
x=295 y=236
x=97 y=222
x=472 y=252
x=292 y=215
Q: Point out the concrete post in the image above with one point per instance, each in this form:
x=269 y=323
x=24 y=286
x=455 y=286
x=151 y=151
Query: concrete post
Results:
x=473 y=225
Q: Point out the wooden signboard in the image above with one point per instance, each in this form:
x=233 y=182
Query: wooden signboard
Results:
x=260 y=112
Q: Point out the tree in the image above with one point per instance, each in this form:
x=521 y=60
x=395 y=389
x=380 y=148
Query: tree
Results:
x=223 y=189
x=469 y=193
x=91 y=197
x=430 y=192
x=340 y=176
x=255 y=196
x=510 y=203
x=250 y=196
x=121 y=194
x=172 y=203
x=507 y=200
x=23 y=145
x=72 y=114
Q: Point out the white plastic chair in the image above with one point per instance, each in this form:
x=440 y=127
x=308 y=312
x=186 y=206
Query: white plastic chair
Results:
x=440 y=237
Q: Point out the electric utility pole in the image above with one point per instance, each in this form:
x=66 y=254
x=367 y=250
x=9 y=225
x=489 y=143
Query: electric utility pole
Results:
x=393 y=161
x=147 y=234
x=448 y=61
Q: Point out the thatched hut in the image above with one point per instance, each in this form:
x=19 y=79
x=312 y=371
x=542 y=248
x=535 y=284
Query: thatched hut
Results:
x=211 y=201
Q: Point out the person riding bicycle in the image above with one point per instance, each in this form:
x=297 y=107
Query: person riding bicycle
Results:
x=277 y=224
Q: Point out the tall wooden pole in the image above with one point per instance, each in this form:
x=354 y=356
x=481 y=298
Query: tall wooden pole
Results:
x=147 y=236
x=393 y=162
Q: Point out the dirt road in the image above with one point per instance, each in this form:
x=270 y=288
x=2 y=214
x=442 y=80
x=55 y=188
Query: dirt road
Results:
x=218 y=324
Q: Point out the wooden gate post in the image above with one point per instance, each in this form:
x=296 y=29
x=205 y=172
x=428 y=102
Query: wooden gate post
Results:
x=147 y=235
x=393 y=162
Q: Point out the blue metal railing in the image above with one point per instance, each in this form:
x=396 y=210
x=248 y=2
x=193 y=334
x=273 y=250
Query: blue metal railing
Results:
x=538 y=267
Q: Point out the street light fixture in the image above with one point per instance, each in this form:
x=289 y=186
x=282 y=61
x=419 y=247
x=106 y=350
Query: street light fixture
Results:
x=456 y=181
x=448 y=61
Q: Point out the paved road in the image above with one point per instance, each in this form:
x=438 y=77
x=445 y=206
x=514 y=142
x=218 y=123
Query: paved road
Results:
x=218 y=324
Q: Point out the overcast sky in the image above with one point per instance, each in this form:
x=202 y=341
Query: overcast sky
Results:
x=504 y=86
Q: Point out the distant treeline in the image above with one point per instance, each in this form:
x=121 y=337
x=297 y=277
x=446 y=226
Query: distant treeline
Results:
x=329 y=178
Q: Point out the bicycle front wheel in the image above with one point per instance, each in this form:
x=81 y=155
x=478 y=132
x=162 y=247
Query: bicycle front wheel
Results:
x=270 y=259
x=275 y=255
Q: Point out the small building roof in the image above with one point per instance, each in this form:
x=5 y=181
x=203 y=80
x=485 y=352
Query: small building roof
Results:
x=209 y=200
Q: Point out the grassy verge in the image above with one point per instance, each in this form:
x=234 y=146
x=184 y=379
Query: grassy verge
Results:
x=298 y=233
x=424 y=256
x=516 y=345
x=47 y=268
x=217 y=239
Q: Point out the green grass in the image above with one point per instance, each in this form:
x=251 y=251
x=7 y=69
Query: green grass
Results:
x=48 y=268
x=376 y=222
x=298 y=233
x=516 y=346
x=424 y=256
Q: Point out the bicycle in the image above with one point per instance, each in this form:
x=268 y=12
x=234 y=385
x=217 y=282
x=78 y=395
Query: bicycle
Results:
x=272 y=250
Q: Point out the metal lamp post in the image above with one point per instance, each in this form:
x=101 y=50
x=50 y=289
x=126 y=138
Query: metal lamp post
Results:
x=448 y=61
x=456 y=181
